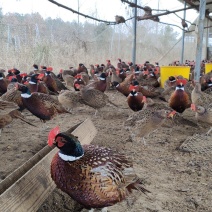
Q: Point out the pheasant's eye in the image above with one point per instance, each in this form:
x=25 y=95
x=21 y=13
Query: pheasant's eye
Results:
x=60 y=142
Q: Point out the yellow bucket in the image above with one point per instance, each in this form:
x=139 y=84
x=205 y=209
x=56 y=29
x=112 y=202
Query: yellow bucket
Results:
x=208 y=67
x=167 y=71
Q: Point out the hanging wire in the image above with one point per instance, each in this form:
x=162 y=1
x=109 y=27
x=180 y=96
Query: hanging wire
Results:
x=172 y=25
x=185 y=20
x=81 y=14
x=169 y=50
x=94 y=39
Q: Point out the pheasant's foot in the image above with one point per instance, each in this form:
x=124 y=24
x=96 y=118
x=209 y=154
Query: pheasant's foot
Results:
x=208 y=133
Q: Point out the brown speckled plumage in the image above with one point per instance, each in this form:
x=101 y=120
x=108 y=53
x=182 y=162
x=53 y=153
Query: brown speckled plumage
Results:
x=6 y=107
x=8 y=112
x=101 y=178
x=148 y=91
x=204 y=114
x=14 y=95
x=94 y=98
x=100 y=85
x=70 y=99
x=208 y=91
x=150 y=107
x=200 y=98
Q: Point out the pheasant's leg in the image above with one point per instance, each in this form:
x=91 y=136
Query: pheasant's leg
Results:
x=144 y=140
x=209 y=131
x=104 y=209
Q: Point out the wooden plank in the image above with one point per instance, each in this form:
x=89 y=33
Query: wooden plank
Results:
x=32 y=189
x=18 y=173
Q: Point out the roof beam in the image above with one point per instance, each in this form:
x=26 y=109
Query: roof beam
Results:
x=196 y=7
x=139 y=18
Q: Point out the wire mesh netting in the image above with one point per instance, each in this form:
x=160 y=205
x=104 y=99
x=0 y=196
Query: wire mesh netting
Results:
x=198 y=143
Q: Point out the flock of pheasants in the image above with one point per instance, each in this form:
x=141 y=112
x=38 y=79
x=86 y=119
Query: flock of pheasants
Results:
x=98 y=177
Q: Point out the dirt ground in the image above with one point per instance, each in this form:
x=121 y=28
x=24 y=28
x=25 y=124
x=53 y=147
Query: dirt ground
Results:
x=179 y=181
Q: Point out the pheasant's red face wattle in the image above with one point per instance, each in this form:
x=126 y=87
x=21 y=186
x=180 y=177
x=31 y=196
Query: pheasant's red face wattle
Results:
x=52 y=135
x=49 y=68
x=181 y=81
x=11 y=77
x=77 y=86
x=23 y=74
x=78 y=76
x=131 y=88
x=40 y=76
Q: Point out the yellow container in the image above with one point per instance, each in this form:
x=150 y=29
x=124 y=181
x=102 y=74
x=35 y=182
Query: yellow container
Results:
x=167 y=71
x=208 y=67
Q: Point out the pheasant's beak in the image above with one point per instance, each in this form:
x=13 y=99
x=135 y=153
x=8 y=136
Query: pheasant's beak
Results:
x=193 y=107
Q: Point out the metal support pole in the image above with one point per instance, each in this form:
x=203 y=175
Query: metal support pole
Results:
x=157 y=12
x=78 y=7
x=134 y=34
x=206 y=41
x=200 y=34
x=183 y=36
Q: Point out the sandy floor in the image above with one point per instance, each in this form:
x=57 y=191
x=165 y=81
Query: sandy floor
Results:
x=178 y=180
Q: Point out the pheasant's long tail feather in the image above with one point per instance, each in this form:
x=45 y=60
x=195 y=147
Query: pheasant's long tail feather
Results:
x=138 y=185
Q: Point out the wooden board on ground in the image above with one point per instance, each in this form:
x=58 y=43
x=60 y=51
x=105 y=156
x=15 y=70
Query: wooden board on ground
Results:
x=31 y=189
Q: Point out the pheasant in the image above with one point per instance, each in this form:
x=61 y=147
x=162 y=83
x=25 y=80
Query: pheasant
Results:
x=94 y=98
x=203 y=114
x=135 y=99
x=95 y=177
x=9 y=112
x=200 y=98
x=40 y=105
x=70 y=99
x=179 y=99
x=14 y=95
x=3 y=84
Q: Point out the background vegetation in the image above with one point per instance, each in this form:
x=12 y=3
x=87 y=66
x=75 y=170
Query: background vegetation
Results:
x=28 y=39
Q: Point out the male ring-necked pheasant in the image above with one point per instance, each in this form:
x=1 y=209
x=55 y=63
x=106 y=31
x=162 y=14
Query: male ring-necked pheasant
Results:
x=96 y=177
